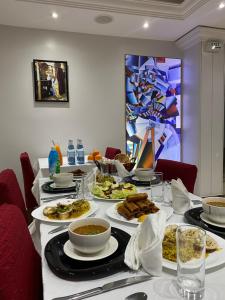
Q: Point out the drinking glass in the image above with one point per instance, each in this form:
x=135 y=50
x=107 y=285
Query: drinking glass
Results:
x=191 y=244
x=157 y=187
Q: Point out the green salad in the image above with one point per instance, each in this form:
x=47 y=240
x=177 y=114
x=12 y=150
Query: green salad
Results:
x=109 y=190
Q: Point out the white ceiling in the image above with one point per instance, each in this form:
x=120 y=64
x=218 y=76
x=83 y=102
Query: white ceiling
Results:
x=167 y=21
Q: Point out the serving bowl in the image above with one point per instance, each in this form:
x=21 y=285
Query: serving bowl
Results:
x=214 y=207
x=63 y=179
x=144 y=173
x=90 y=243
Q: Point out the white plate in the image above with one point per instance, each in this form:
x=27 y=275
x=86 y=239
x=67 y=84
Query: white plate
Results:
x=213 y=260
x=38 y=212
x=109 y=249
x=113 y=214
x=204 y=218
x=144 y=180
x=53 y=186
x=106 y=199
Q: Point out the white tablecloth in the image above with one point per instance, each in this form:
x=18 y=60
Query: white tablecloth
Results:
x=157 y=288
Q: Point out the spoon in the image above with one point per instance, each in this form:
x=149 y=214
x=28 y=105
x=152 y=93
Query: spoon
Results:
x=137 y=296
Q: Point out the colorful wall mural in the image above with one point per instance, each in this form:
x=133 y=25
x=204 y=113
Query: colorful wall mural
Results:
x=153 y=108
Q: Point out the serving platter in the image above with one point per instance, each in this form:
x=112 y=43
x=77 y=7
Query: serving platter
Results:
x=72 y=269
x=213 y=260
x=38 y=212
x=113 y=214
x=105 y=199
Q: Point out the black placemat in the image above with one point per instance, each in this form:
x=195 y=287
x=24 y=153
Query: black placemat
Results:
x=48 y=189
x=71 y=269
x=193 y=217
x=130 y=179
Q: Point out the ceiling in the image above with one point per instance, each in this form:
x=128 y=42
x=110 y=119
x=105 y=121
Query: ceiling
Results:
x=168 y=19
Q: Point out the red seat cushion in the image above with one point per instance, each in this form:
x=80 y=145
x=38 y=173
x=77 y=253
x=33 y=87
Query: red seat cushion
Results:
x=110 y=152
x=10 y=191
x=175 y=169
x=28 y=179
x=20 y=264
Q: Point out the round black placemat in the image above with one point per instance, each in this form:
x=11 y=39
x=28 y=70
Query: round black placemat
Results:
x=71 y=269
x=193 y=217
x=130 y=179
x=48 y=189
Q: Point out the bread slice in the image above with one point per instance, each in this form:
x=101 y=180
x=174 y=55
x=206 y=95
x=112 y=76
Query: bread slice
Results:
x=211 y=244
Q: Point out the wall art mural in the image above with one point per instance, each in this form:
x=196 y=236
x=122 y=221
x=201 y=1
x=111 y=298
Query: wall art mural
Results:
x=153 y=108
x=50 y=81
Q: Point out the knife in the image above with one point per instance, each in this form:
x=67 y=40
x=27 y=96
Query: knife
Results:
x=48 y=199
x=59 y=228
x=106 y=287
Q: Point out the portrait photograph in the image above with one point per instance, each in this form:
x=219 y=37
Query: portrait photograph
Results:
x=50 y=81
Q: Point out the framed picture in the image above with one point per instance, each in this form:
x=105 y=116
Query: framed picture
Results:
x=153 y=108
x=50 y=81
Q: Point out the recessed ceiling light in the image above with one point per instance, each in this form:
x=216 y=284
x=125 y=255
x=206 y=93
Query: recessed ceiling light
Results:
x=55 y=15
x=222 y=5
x=103 y=19
x=146 y=25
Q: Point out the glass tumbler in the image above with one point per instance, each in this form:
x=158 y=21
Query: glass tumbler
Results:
x=191 y=245
x=157 y=187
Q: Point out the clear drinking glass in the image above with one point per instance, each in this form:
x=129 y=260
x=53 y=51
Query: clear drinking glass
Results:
x=191 y=243
x=157 y=187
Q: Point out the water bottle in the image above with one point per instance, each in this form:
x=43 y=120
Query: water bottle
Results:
x=80 y=152
x=71 y=153
x=52 y=161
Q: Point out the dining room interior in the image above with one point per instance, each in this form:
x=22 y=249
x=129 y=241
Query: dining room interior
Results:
x=112 y=149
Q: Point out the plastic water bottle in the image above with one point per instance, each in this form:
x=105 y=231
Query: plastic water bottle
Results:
x=52 y=161
x=71 y=153
x=80 y=152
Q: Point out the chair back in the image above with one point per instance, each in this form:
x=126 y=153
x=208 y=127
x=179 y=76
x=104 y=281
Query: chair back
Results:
x=10 y=191
x=175 y=169
x=110 y=152
x=20 y=264
x=28 y=179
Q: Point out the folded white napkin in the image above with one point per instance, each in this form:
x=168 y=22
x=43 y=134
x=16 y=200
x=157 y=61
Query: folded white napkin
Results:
x=181 y=201
x=145 y=245
x=122 y=172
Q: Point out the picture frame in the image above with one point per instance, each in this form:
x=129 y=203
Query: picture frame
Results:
x=50 y=81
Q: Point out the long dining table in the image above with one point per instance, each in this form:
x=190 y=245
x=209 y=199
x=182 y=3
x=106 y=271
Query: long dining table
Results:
x=157 y=288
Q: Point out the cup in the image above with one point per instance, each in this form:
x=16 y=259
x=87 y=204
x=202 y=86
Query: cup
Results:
x=157 y=187
x=191 y=247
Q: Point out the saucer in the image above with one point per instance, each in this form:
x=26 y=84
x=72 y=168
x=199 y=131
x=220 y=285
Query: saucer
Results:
x=52 y=185
x=204 y=218
x=109 y=249
x=143 y=179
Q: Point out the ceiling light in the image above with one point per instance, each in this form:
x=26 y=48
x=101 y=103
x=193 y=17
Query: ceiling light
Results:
x=54 y=15
x=146 y=25
x=222 y=5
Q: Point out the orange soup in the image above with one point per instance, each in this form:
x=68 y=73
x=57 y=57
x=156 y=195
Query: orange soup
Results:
x=216 y=203
x=90 y=229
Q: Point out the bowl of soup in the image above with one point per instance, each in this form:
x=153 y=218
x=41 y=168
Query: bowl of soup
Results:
x=89 y=235
x=214 y=207
x=62 y=180
x=145 y=174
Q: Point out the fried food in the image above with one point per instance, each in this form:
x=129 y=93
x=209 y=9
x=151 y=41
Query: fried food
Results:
x=123 y=158
x=137 y=208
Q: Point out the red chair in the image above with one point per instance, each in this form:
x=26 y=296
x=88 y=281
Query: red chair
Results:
x=20 y=265
x=110 y=152
x=28 y=179
x=174 y=169
x=10 y=191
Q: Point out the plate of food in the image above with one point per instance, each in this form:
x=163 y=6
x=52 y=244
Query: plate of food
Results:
x=215 y=249
x=65 y=210
x=135 y=209
x=112 y=191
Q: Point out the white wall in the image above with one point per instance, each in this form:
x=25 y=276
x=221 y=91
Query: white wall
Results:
x=96 y=84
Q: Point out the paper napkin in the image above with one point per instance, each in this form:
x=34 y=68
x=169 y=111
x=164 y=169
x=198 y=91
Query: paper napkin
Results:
x=122 y=172
x=181 y=201
x=145 y=245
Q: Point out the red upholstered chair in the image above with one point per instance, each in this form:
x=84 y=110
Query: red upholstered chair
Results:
x=10 y=191
x=174 y=169
x=111 y=152
x=20 y=265
x=28 y=179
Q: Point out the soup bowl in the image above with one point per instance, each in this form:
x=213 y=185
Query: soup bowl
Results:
x=144 y=173
x=63 y=179
x=214 y=207
x=90 y=242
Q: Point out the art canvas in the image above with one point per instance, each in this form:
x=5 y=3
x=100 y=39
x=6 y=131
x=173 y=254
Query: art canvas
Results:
x=153 y=108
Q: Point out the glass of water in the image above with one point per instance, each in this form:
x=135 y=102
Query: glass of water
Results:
x=157 y=187
x=191 y=245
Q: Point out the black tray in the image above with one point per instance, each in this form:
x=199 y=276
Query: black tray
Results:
x=48 y=189
x=71 y=269
x=193 y=217
x=130 y=179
